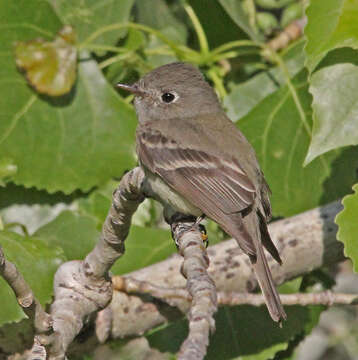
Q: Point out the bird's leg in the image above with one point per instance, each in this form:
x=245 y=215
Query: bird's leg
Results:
x=202 y=229
x=179 y=224
x=200 y=219
x=186 y=223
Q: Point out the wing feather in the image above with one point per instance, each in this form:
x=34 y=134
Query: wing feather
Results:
x=209 y=182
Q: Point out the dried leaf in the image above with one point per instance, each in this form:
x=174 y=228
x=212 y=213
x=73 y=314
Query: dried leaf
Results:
x=50 y=66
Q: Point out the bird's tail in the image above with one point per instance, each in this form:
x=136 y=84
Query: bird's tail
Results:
x=267 y=285
x=251 y=234
x=260 y=237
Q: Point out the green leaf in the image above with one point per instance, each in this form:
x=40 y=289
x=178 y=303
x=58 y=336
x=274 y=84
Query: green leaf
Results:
x=37 y=262
x=331 y=24
x=87 y=16
x=158 y=15
x=7 y=169
x=30 y=207
x=348 y=226
x=73 y=142
x=75 y=234
x=98 y=202
x=275 y=129
x=97 y=205
x=335 y=108
x=245 y=331
x=235 y=10
x=136 y=348
x=266 y=22
x=78 y=234
x=273 y=4
x=50 y=66
x=14 y=194
x=218 y=26
x=244 y=96
x=291 y=13
x=144 y=246
x=74 y=145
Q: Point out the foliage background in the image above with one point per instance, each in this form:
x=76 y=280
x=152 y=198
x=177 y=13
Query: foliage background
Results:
x=61 y=157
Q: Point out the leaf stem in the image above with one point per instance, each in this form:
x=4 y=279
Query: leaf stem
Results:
x=232 y=54
x=17 y=224
x=252 y=15
x=99 y=47
x=114 y=59
x=234 y=44
x=279 y=61
x=217 y=82
x=180 y=50
x=200 y=33
x=28 y=26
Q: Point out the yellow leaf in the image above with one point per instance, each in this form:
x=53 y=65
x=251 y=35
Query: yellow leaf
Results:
x=50 y=66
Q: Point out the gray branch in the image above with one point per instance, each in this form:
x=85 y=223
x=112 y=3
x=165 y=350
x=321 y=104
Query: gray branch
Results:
x=82 y=288
x=132 y=286
x=327 y=298
x=29 y=304
x=306 y=242
x=201 y=288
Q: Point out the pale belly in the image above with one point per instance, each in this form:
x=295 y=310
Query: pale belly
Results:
x=172 y=202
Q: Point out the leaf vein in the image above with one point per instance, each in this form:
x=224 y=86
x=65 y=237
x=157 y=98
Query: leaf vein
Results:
x=17 y=116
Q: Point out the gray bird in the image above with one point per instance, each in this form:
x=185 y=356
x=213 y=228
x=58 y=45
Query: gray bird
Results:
x=198 y=163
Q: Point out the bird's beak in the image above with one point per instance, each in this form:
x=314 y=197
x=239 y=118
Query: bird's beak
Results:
x=134 y=89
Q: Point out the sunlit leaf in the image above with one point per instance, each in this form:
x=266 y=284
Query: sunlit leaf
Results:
x=157 y=14
x=242 y=332
x=218 y=25
x=335 y=109
x=78 y=234
x=37 y=262
x=275 y=129
x=74 y=233
x=235 y=10
x=244 y=96
x=7 y=169
x=65 y=143
x=99 y=201
x=88 y=16
x=50 y=66
x=331 y=24
x=348 y=226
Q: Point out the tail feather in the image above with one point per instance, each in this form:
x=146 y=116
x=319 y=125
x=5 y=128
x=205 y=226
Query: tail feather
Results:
x=256 y=227
x=267 y=286
x=266 y=238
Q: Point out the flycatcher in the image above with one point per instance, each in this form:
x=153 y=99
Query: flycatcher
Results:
x=198 y=163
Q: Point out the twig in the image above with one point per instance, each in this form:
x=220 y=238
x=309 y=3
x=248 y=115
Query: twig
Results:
x=131 y=285
x=322 y=298
x=290 y=33
x=306 y=242
x=200 y=292
x=84 y=287
x=200 y=286
x=29 y=304
x=329 y=298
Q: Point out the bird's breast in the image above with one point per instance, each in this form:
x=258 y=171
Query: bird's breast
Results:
x=156 y=188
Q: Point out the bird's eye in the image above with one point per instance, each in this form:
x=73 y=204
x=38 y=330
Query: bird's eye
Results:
x=168 y=97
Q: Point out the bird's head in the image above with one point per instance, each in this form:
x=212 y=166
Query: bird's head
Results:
x=174 y=90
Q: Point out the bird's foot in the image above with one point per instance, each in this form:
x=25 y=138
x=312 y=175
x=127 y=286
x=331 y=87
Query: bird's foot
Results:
x=204 y=235
x=179 y=225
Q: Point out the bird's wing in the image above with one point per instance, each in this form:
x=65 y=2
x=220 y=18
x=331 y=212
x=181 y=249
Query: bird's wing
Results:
x=213 y=184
